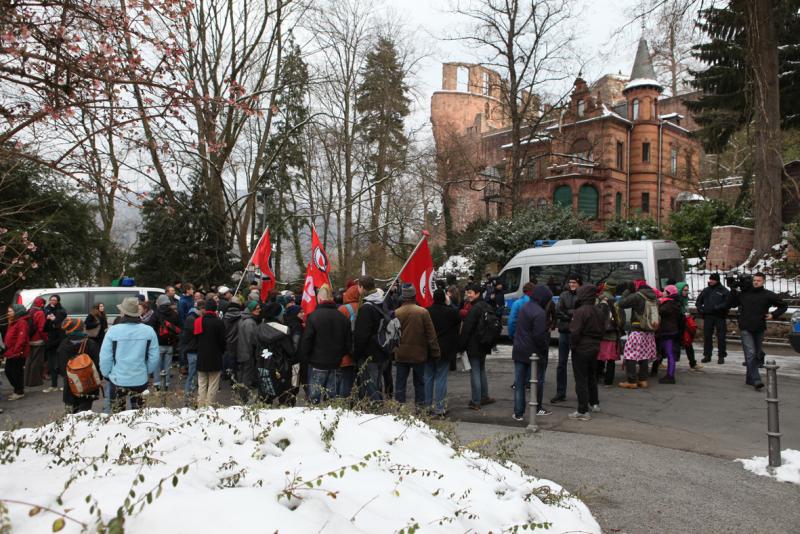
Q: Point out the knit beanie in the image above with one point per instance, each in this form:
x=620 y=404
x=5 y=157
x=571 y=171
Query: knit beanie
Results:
x=252 y=305
x=71 y=325
x=19 y=310
x=408 y=292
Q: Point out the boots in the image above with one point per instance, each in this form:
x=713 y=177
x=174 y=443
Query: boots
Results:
x=628 y=385
x=643 y=384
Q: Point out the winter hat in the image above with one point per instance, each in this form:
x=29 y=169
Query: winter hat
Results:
x=71 y=325
x=271 y=310
x=408 y=292
x=129 y=307
x=162 y=299
x=714 y=276
x=211 y=305
x=252 y=305
x=39 y=302
x=223 y=289
x=671 y=290
x=19 y=310
x=439 y=296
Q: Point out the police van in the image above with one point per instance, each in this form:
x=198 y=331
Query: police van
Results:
x=77 y=301
x=551 y=262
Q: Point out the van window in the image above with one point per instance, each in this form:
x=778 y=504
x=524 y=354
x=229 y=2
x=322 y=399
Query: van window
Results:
x=617 y=272
x=111 y=299
x=670 y=268
x=153 y=295
x=511 y=279
x=553 y=276
x=74 y=303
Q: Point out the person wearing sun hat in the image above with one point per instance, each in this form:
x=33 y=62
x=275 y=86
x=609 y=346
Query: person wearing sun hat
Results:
x=128 y=355
x=77 y=341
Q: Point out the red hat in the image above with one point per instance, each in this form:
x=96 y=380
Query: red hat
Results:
x=38 y=302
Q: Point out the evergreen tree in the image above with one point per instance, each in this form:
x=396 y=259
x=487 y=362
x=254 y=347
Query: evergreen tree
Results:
x=383 y=103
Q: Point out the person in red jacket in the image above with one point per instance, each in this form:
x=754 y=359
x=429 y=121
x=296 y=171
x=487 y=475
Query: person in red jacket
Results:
x=17 y=349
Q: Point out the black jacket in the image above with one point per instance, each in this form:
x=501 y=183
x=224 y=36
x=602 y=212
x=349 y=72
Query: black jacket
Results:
x=588 y=325
x=68 y=349
x=753 y=305
x=368 y=321
x=233 y=314
x=713 y=300
x=163 y=314
x=672 y=317
x=53 y=327
x=210 y=344
x=468 y=340
x=564 y=309
x=327 y=337
x=446 y=322
x=188 y=341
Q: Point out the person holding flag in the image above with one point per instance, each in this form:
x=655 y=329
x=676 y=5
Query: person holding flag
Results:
x=262 y=260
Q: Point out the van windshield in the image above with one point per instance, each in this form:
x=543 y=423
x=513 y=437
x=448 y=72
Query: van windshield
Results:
x=511 y=279
x=670 y=269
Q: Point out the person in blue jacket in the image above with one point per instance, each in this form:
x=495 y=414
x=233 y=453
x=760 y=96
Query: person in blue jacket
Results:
x=128 y=355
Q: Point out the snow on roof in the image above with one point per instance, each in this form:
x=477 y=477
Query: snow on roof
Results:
x=688 y=196
x=643 y=82
x=673 y=115
x=536 y=139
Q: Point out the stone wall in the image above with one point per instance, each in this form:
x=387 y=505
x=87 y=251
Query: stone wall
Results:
x=730 y=246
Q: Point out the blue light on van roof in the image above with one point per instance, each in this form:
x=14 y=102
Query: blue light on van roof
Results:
x=544 y=243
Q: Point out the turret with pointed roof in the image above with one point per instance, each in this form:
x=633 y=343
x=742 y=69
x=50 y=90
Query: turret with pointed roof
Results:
x=643 y=74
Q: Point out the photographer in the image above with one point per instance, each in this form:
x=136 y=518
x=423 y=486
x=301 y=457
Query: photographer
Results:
x=712 y=304
x=754 y=303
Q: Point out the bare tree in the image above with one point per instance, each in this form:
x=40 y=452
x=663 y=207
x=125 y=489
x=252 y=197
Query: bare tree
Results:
x=673 y=33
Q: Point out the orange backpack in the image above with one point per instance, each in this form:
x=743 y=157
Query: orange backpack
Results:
x=82 y=375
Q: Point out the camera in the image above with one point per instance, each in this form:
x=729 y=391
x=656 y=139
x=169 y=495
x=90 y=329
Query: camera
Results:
x=743 y=282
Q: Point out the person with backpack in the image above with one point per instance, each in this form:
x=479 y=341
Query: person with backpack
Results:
x=640 y=347
x=347 y=371
x=586 y=330
x=18 y=349
x=246 y=349
x=477 y=339
x=37 y=336
x=326 y=339
x=531 y=336
x=446 y=322
x=712 y=303
x=613 y=328
x=165 y=323
x=564 y=310
x=188 y=347
x=128 y=356
x=209 y=330
x=79 y=361
x=275 y=356
x=55 y=314
x=418 y=344
x=670 y=330
x=370 y=356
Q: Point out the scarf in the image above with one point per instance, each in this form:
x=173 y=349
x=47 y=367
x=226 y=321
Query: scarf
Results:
x=198 y=323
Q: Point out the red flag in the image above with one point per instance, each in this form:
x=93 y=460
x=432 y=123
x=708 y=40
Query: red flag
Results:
x=419 y=272
x=309 y=300
x=262 y=260
x=319 y=266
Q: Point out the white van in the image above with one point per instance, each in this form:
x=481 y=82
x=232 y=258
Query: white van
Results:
x=653 y=260
x=77 y=301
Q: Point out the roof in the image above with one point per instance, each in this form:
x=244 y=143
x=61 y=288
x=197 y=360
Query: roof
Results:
x=643 y=74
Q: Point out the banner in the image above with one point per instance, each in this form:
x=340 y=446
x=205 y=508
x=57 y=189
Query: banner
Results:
x=320 y=266
x=262 y=259
x=309 y=300
x=418 y=272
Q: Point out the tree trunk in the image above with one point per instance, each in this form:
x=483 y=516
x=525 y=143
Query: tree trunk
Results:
x=763 y=59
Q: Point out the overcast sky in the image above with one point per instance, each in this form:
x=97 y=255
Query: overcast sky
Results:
x=602 y=47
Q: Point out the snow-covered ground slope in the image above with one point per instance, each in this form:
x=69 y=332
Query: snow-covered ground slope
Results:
x=246 y=470
x=789 y=471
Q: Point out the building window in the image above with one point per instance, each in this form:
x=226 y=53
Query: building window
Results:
x=462 y=79
x=581 y=108
x=672 y=203
x=562 y=196
x=646 y=152
x=635 y=115
x=645 y=202
x=618 y=205
x=582 y=151
x=486 y=83
x=532 y=168
x=620 y=155
x=587 y=201
x=673 y=161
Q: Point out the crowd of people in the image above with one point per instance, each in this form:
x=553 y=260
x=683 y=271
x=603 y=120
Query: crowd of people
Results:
x=364 y=342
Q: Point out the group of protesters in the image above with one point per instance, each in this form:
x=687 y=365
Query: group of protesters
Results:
x=363 y=342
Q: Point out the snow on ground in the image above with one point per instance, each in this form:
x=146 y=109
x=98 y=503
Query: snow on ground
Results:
x=789 y=471
x=247 y=470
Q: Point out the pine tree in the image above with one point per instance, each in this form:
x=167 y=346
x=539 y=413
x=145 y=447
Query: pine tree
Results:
x=383 y=103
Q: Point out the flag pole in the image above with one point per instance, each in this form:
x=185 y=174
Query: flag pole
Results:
x=253 y=255
x=425 y=235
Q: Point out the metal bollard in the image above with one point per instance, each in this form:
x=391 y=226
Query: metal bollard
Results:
x=773 y=425
x=533 y=406
x=162 y=382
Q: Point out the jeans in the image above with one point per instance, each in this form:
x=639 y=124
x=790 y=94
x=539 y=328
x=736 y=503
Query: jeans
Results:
x=585 y=379
x=164 y=363
x=191 y=377
x=711 y=323
x=106 y=397
x=121 y=395
x=561 y=371
x=345 y=377
x=751 y=344
x=401 y=378
x=369 y=380
x=478 y=383
x=631 y=370
x=321 y=384
x=436 y=384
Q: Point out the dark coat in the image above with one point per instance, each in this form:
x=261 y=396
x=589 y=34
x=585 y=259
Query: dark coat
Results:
x=368 y=321
x=753 y=305
x=672 y=317
x=468 y=340
x=564 y=310
x=53 y=327
x=210 y=344
x=713 y=300
x=588 y=325
x=163 y=314
x=188 y=341
x=68 y=349
x=233 y=315
x=446 y=322
x=635 y=301
x=532 y=334
x=327 y=337
x=418 y=341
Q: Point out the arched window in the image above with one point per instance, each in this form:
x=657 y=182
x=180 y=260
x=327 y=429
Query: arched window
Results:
x=618 y=205
x=582 y=151
x=587 y=201
x=635 y=105
x=562 y=196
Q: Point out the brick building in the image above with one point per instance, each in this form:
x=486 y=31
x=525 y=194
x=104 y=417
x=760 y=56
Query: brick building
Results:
x=615 y=150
